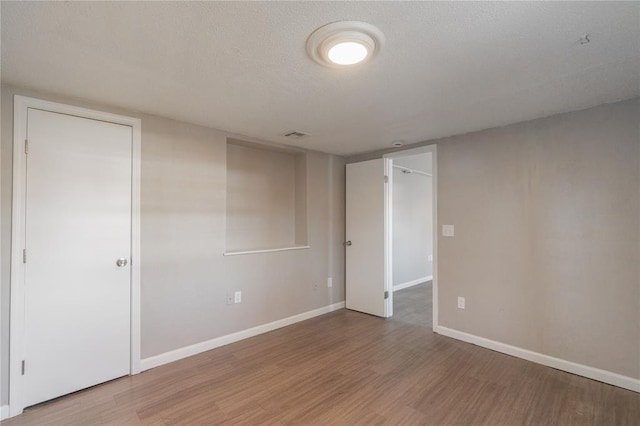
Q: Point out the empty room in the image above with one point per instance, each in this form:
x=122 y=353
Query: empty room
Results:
x=327 y=213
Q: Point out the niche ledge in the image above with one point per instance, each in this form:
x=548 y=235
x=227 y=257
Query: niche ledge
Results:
x=266 y=250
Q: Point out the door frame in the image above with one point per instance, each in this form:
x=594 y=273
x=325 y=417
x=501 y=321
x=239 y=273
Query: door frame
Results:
x=434 y=194
x=18 y=227
x=388 y=236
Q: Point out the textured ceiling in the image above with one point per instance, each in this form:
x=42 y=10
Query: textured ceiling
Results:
x=446 y=68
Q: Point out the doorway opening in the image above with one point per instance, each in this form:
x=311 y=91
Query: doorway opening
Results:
x=412 y=235
x=369 y=225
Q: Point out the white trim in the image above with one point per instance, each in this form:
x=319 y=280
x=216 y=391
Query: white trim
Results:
x=235 y=253
x=550 y=361
x=136 y=256
x=16 y=323
x=433 y=149
x=4 y=409
x=388 y=236
x=434 y=193
x=412 y=283
x=4 y=412
x=197 y=348
x=16 y=349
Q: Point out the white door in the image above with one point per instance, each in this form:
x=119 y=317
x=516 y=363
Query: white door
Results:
x=78 y=224
x=367 y=218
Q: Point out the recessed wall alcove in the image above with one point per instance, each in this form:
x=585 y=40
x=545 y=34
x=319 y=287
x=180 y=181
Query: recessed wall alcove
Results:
x=266 y=198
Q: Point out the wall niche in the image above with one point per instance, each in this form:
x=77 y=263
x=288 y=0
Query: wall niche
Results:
x=266 y=198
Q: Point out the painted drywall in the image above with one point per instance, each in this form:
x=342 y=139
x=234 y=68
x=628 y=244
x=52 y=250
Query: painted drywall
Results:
x=412 y=220
x=547 y=235
x=261 y=198
x=185 y=276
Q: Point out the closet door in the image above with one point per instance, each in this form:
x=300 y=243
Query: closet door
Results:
x=78 y=249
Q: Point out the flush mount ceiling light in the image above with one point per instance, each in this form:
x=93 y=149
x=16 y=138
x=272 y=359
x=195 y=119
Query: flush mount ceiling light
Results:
x=345 y=43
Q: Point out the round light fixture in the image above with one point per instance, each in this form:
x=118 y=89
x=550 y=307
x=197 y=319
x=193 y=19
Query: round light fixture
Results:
x=344 y=43
x=347 y=53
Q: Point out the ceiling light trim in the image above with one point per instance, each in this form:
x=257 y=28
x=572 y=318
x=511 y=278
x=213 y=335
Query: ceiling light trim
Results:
x=322 y=40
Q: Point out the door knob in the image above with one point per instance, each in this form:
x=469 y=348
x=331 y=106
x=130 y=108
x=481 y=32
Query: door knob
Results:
x=122 y=262
x=347 y=243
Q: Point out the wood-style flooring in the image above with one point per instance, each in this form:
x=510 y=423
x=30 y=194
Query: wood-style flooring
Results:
x=347 y=368
x=413 y=305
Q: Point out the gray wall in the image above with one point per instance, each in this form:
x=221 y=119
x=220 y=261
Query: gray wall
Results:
x=184 y=276
x=547 y=245
x=261 y=198
x=412 y=220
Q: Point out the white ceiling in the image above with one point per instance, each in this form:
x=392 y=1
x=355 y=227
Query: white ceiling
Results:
x=446 y=68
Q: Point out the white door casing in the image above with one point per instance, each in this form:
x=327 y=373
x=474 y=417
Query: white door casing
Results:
x=74 y=312
x=368 y=220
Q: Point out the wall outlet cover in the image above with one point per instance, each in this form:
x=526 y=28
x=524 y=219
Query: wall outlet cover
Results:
x=461 y=302
x=238 y=297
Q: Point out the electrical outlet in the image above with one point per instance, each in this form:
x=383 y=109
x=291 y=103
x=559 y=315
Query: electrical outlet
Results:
x=430 y=258
x=230 y=299
x=329 y=282
x=461 y=302
x=238 y=297
x=314 y=286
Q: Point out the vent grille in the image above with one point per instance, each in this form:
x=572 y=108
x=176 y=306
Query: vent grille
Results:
x=296 y=134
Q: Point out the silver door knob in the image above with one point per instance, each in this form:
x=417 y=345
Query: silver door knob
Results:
x=122 y=262
x=347 y=243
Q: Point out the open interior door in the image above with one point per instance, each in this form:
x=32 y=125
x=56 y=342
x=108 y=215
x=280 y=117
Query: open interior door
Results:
x=368 y=266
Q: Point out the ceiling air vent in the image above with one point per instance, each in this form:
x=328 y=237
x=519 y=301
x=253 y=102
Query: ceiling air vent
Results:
x=296 y=134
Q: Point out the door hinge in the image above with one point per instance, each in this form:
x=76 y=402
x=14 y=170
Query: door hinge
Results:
x=386 y=294
x=24 y=256
x=386 y=179
x=26 y=146
x=23 y=367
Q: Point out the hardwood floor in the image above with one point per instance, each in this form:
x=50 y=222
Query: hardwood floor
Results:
x=347 y=368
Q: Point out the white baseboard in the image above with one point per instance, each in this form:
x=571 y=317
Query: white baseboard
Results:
x=560 y=364
x=412 y=283
x=197 y=348
x=4 y=412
